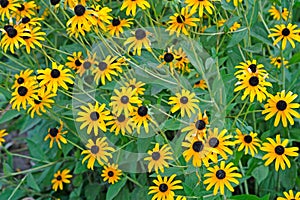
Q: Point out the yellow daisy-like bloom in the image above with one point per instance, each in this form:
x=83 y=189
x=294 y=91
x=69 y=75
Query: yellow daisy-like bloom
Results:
x=221 y=176
x=117 y=24
x=76 y=61
x=137 y=42
x=123 y=101
x=247 y=141
x=158 y=157
x=219 y=142
x=285 y=33
x=164 y=187
x=97 y=151
x=102 y=16
x=251 y=67
x=93 y=117
x=23 y=78
x=24 y=94
x=121 y=123
x=198 y=127
x=25 y=9
x=87 y=64
x=277 y=15
x=278 y=62
x=220 y=22
x=132 y=4
x=140 y=116
x=29 y=23
x=2 y=134
x=83 y=18
x=78 y=30
x=180 y=21
x=185 y=102
x=198 y=149
x=201 y=5
x=106 y=68
x=111 y=173
x=43 y=100
x=235 y=26
x=55 y=77
x=235 y=2
x=182 y=60
x=179 y=197
x=13 y=37
x=278 y=151
x=33 y=39
x=168 y=58
x=281 y=105
x=290 y=196
x=56 y=135
x=7 y=7
x=135 y=85
x=60 y=178
x=201 y=84
x=254 y=85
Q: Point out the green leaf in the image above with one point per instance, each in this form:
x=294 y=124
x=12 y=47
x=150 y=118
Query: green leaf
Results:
x=171 y=124
x=236 y=38
x=114 y=189
x=260 y=173
x=32 y=183
x=295 y=59
x=8 y=115
x=288 y=176
x=257 y=48
x=92 y=191
x=35 y=149
x=249 y=197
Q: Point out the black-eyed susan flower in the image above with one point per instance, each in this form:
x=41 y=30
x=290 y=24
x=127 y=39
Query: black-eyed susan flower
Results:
x=87 y=64
x=235 y=26
x=180 y=22
x=220 y=22
x=201 y=5
x=168 y=58
x=60 y=178
x=201 y=84
x=139 y=40
x=235 y=2
x=290 y=196
x=13 y=37
x=43 y=100
x=285 y=33
x=277 y=14
x=247 y=141
x=281 y=105
x=75 y=61
x=164 y=187
x=78 y=30
x=106 y=68
x=135 y=85
x=198 y=127
x=198 y=150
x=131 y=6
x=3 y=133
x=221 y=176
x=56 y=135
x=253 y=85
x=98 y=150
x=102 y=16
x=122 y=102
x=116 y=26
x=158 y=157
x=250 y=66
x=24 y=77
x=182 y=61
x=111 y=173
x=36 y=35
x=28 y=23
x=7 y=7
x=278 y=62
x=141 y=117
x=25 y=9
x=277 y=150
x=94 y=117
x=220 y=144
x=184 y=101
x=24 y=94
x=121 y=124
x=55 y=77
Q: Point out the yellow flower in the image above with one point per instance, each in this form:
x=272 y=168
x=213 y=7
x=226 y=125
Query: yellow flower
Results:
x=198 y=127
x=139 y=40
x=2 y=134
x=247 y=141
x=277 y=15
x=235 y=26
x=111 y=173
x=121 y=123
x=290 y=196
x=201 y=5
x=117 y=24
x=132 y=4
x=60 y=178
x=278 y=62
x=235 y=2
x=56 y=135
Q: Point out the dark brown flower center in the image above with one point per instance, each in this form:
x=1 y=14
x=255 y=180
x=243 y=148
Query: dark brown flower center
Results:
x=200 y=124
x=20 y=80
x=253 y=81
x=180 y=19
x=4 y=3
x=94 y=116
x=26 y=37
x=121 y=118
x=53 y=132
x=102 y=66
x=116 y=22
x=124 y=99
x=281 y=105
x=95 y=149
x=155 y=155
x=142 y=111
x=279 y=150
x=221 y=174
x=168 y=57
x=55 y=73
x=213 y=142
x=253 y=68
x=198 y=146
x=59 y=178
x=248 y=139
x=87 y=65
x=6 y=27
x=38 y=101
x=285 y=32
x=140 y=34
x=163 y=187
x=22 y=91
x=184 y=100
x=110 y=173
x=21 y=8
x=11 y=32
x=25 y=20
x=54 y=2
x=79 y=10
x=132 y=86
x=278 y=60
x=77 y=62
